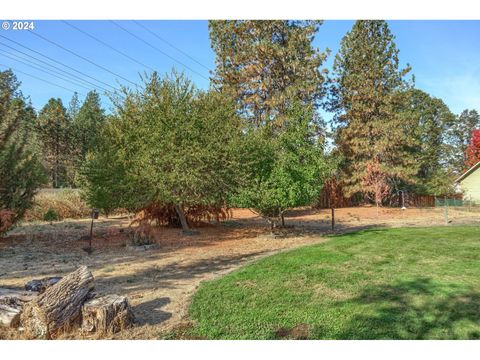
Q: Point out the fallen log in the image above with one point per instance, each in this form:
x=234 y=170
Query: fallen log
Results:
x=40 y=285
x=106 y=315
x=7 y=295
x=59 y=307
x=11 y=306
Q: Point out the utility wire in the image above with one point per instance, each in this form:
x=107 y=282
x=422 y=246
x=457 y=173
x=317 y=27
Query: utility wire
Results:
x=57 y=69
x=107 y=45
x=36 y=77
x=157 y=49
x=170 y=44
x=58 y=62
x=47 y=71
x=81 y=57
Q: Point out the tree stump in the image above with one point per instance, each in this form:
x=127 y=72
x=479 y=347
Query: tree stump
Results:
x=106 y=315
x=41 y=285
x=59 y=307
x=11 y=306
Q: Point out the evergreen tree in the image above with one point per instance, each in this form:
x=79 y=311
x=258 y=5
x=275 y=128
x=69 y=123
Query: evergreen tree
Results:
x=20 y=172
x=267 y=65
x=54 y=131
x=427 y=120
x=459 y=136
x=87 y=123
x=365 y=96
x=73 y=107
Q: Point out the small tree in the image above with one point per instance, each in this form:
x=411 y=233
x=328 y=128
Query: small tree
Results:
x=286 y=167
x=20 y=171
x=375 y=183
x=473 y=149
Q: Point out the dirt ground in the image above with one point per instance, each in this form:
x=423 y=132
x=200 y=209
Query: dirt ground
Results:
x=159 y=282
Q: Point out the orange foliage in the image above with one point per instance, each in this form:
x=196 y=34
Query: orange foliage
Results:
x=197 y=215
x=7 y=218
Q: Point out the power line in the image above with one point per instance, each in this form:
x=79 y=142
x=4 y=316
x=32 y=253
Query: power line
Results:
x=47 y=71
x=36 y=77
x=170 y=44
x=107 y=45
x=81 y=57
x=58 y=62
x=155 y=48
x=59 y=70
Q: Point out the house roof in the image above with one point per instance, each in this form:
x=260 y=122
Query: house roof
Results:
x=468 y=172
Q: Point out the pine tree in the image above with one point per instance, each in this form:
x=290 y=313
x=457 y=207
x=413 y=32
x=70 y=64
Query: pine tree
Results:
x=427 y=120
x=87 y=123
x=267 y=65
x=20 y=172
x=364 y=94
x=73 y=107
x=54 y=131
x=459 y=136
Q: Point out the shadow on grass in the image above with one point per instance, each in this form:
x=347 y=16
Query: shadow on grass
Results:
x=415 y=309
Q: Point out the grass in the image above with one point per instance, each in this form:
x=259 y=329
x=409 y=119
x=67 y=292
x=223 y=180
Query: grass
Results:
x=405 y=283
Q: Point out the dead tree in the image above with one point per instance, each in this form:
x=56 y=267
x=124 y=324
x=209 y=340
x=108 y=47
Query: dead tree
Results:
x=59 y=307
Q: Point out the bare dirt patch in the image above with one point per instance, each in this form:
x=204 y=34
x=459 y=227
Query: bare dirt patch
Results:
x=159 y=283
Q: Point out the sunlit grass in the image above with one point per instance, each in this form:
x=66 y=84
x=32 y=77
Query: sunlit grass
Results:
x=411 y=283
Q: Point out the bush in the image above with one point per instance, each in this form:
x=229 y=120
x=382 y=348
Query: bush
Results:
x=66 y=204
x=51 y=215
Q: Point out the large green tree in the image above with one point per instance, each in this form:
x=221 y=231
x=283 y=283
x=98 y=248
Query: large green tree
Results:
x=169 y=144
x=267 y=65
x=427 y=120
x=20 y=171
x=54 y=131
x=365 y=95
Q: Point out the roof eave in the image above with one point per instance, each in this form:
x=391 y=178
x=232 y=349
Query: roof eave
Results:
x=468 y=172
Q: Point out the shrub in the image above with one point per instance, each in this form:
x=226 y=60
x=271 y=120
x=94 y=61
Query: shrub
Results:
x=51 y=215
x=67 y=204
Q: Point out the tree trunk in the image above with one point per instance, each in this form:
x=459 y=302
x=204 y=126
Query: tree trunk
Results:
x=282 y=218
x=106 y=315
x=183 y=221
x=58 y=308
x=11 y=306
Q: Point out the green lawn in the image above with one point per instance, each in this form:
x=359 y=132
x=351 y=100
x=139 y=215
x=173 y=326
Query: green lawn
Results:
x=411 y=283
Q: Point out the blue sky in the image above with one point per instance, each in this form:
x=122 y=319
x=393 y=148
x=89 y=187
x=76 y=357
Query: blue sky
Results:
x=444 y=55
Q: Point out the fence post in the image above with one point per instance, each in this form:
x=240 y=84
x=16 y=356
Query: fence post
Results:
x=333 y=219
x=446 y=210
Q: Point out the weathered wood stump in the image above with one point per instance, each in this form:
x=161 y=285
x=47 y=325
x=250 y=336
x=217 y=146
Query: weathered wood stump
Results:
x=106 y=315
x=11 y=306
x=59 y=307
x=40 y=285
